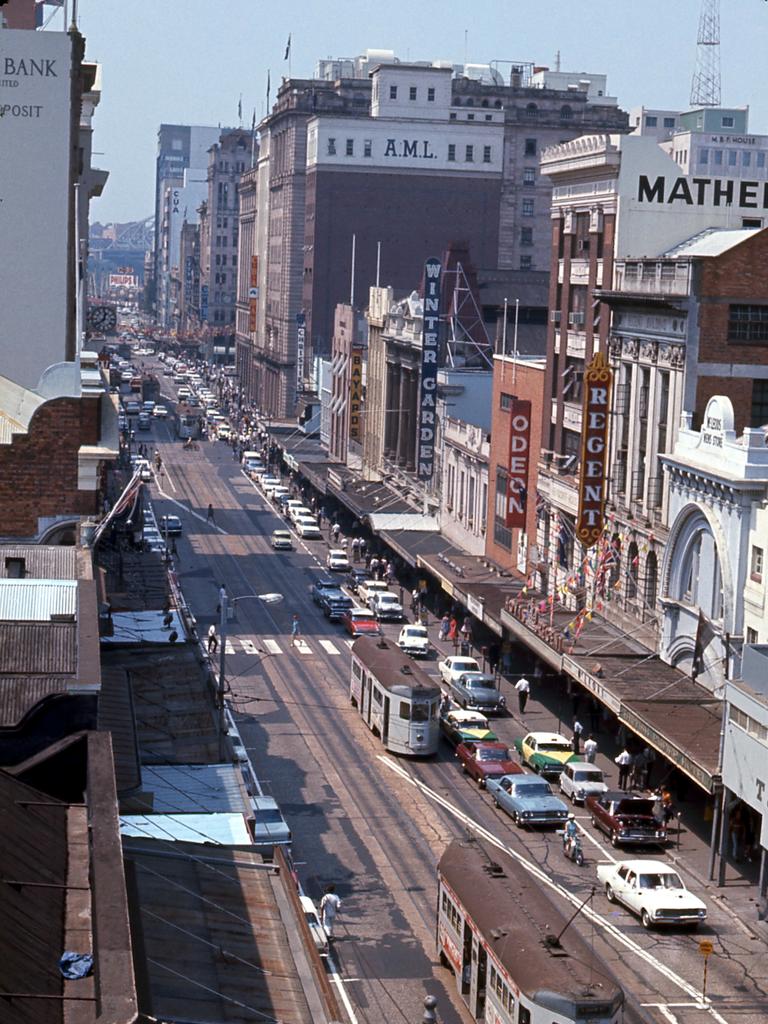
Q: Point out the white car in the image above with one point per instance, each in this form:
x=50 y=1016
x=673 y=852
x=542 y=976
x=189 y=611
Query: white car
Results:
x=385 y=605
x=580 y=779
x=223 y=431
x=367 y=589
x=315 y=925
x=276 y=490
x=653 y=890
x=454 y=667
x=307 y=527
x=266 y=480
x=414 y=640
x=337 y=560
x=302 y=512
x=160 y=411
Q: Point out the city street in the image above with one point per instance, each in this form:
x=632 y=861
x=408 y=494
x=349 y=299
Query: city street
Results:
x=374 y=824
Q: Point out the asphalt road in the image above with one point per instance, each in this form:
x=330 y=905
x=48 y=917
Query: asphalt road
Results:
x=375 y=824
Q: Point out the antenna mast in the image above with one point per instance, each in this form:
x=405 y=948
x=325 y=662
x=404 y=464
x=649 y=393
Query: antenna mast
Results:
x=705 y=87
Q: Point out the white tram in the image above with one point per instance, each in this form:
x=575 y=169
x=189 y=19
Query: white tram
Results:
x=497 y=931
x=395 y=697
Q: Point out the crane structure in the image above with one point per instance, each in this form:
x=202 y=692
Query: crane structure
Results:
x=705 y=87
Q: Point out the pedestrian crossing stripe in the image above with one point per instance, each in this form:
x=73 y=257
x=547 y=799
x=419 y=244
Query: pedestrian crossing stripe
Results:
x=329 y=647
x=249 y=647
x=273 y=647
x=229 y=647
x=266 y=645
x=301 y=645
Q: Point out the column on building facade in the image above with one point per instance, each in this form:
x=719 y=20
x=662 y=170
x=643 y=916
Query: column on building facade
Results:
x=413 y=406
x=403 y=419
x=391 y=399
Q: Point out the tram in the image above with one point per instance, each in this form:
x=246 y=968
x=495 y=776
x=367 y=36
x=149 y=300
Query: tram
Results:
x=395 y=697
x=514 y=957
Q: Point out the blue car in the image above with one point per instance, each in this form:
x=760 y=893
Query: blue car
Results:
x=528 y=799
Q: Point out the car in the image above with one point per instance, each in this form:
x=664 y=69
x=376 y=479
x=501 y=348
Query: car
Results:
x=528 y=800
x=145 y=421
x=545 y=752
x=355 y=577
x=170 y=526
x=126 y=376
x=652 y=890
x=320 y=585
x=289 y=505
x=360 y=622
x=335 y=604
x=482 y=760
x=414 y=640
x=223 y=431
x=184 y=392
x=132 y=408
x=626 y=818
x=301 y=512
x=276 y=492
x=315 y=925
x=580 y=779
x=386 y=606
x=266 y=480
x=336 y=560
x=307 y=528
x=479 y=691
x=368 y=588
x=148 y=406
x=452 y=667
x=281 y=540
x=465 y=727
x=161 y=411
x=269 y=826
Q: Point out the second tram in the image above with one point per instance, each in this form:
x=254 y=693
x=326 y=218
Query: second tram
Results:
x=395 y=697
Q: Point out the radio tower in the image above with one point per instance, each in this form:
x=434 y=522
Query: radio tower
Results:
x=705 y=87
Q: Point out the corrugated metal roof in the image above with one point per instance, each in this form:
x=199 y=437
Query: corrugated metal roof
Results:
x=415 y=521
x=19 y=694
x=219 y=829
x=712 y=242
x=42 y=561
x=36 y=600
x=186 y=788
x=30 y=648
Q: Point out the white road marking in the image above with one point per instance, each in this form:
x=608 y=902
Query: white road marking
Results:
x=249 y=647
x=273 y=646
x=229 y=647
x=301 y=645
x=329 y=647
x=336 y=979
x=615 y=933
x=349 y=642
x=187 y=509
x=667 y=1013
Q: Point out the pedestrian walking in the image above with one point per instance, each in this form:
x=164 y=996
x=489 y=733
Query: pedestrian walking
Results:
x=335 y=530
x=374 y=567
x=213 y=640
x=649 y=756
x=624 y=761
x=362 y=547
x=415 y=598
x=209 y=518
x=295 y=628
x=523 y=688
x=355 y=548
x=445 y=627
x=330 y=905
x=466 y=631
x=590 y=749
x=453 y=630
x=578 y=729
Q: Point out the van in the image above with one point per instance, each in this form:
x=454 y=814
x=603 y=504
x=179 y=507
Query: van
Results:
x=145 y=421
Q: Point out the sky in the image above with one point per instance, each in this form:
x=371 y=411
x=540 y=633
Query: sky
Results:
x=168 y=61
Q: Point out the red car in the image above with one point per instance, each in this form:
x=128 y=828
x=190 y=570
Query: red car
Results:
x=360 y=622
x=485 y=760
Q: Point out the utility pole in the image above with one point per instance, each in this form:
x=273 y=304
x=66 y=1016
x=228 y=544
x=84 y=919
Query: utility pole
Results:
x=705 y=86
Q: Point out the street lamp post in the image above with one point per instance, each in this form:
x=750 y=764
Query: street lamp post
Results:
x=224 y=604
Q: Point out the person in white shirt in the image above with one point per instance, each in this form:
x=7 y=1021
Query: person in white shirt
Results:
x=330 y=905
x=624 y=761
x=523 y=688
x=590 y=749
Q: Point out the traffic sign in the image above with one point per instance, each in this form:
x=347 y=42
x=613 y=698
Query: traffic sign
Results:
x=706 y=947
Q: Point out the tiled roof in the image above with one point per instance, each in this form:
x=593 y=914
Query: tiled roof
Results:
x=19 y=694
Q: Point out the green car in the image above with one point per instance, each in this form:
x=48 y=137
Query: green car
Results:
x=545 y=753
x=461 y=726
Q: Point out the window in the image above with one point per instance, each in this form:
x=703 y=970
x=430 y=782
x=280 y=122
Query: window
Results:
x=669 y=122
x=412 y=93
x=526 y=262
x=451 y=152
x=727 y=122
x=331 y=147
x=430 y=95
x=405 y=710
x=703 y=156
x=651 y=121
x=748 y=324
x=529 y=175
x=751 y=222
x=759 y=403
x=367 y=147
x=469 y=154
x=15 y=568
x=470 y=117
x=530 y=147
x=505 y=401
x=732 y=157
x=502 y=535
x=718 y=156
x=486 y=154
x=393 y=92
x=566 y=113
x=527 y=207
x=751 y=635
x=761 y=159
x=350 y=147
x=746 y=158
x=452 y=116
x=531 y=111
x=526 y=236
x=756 y=564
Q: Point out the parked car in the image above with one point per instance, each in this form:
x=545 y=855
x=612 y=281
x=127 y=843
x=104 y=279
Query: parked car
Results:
x=307 y=528
x=160 y=411
x=297 y=512
x=289 y=505
x=144 y=468
x=652 y=890
x=281 y=540
x=335 y=604
x=269 y=826
x=580 y=779
x=626 y=818
x=545 y=752
x=483 y=760
x=453 y=667
x=414 y=640
x=315 y=925
x=274 y=491
x=148 y=407
x=479 y=691
x=132 y=408
x=528 y=800
x=360 y=622
x=223 y=431
x=266 y=480
x=320 y=585
x=336 y=560
x=170 y=526
x=145 y=421
x=386 y=606
x=355 y=577
x=460 y=726
x=368 y=588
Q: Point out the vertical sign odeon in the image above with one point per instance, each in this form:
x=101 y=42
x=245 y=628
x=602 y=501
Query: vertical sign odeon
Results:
x=594 y=450
x=253 y=295
x=301 y=326
x=355 y=392
x=430 y=346
x=519 y=449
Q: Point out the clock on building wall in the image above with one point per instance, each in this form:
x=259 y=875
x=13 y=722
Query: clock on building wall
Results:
x=102 y=318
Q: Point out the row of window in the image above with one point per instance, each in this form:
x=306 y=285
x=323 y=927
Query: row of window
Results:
x=413 y=93
x=505 y=997
x=530 y=149
x=652 y=121
x=748 y=323
x=748 y=724
x=733 y=157
x=221 y=259
x=450 y=911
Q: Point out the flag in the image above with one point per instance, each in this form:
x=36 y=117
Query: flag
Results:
x=253 y=121
x=705 y=634
x=267 y=91
x=240 y=108
x=288 y=48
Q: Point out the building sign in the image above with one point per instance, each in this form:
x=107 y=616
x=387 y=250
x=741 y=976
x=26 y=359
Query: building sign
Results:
x=203 y=301
x=301 y=328
x=518 y=465
x=717 y=424
x=253 y=295
x=175 y=201
x=475 y=607
x=355 y=392
x=430 y=347
x=188 y=274
x=594 y=450
x=749 y=195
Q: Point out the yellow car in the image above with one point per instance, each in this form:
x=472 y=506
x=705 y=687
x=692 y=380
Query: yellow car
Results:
x=545 y=752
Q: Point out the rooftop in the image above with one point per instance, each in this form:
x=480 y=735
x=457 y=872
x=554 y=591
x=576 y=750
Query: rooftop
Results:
x=712 y=242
